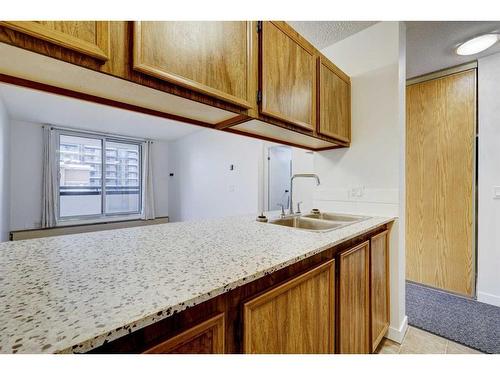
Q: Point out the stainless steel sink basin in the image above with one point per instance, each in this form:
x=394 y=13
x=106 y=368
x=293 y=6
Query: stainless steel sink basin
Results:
x=306 y=223
x=319 y=222
x=341 y=218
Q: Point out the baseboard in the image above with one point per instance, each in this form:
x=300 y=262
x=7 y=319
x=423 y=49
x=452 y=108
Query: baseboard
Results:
x=490 y=299
x=398 y=334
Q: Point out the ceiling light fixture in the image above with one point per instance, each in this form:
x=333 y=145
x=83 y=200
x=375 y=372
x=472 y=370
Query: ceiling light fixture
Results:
x=477 y=44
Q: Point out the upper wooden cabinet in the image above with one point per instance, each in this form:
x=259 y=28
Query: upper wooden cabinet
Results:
x=379 y=284
x=334 y=101
x=88 y=37
x=297 y=317
x=288 y=75
x=267 y=82
x=214 y=58
x=354 y=300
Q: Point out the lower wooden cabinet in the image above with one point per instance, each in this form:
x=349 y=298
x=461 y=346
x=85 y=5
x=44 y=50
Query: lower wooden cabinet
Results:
x=354 y=300
x=204 y=338
x=296 y=317
x=379 y=287
x=336 y=301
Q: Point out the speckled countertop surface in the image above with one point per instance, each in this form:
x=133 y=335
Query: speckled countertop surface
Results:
x=71 y=293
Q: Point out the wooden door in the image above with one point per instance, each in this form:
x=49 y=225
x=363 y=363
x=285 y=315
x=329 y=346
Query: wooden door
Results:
x=354 y=304
x=288 y=75
x=440 y=137
x=215 y=58
x=204 y=338
x=296 y=317
x=88 y=37
x=334 y=101
x=379 y=287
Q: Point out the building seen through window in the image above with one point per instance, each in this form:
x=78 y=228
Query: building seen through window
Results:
x=90 y=185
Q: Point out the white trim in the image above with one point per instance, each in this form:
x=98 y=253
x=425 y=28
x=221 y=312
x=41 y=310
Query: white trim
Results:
x=488 y=298
x=398 y=334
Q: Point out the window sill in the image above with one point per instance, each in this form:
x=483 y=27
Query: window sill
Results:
x=107 y=219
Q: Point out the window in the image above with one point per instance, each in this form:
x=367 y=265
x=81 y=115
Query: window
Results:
x=98 y=176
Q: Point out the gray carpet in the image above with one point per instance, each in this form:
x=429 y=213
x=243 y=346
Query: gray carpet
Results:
x=459 y=319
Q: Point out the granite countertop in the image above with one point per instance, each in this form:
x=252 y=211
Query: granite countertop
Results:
x=72 y=293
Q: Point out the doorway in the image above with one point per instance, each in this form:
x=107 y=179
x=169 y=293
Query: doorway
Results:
x=440 y=182
x=279 y=172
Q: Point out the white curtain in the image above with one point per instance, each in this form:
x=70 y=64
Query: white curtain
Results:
x=50 y=199
x=148 y=202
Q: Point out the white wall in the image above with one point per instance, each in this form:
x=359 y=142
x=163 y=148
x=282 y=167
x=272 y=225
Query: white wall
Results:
x=303 y=188
x=26 y=175
x=368 y=177
x=488 y=262
x=4 y=173
x=203 y=186
x=370 y=49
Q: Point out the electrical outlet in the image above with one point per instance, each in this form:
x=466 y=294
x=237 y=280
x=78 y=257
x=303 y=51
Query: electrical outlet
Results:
x=232 y=188
x=357 y=192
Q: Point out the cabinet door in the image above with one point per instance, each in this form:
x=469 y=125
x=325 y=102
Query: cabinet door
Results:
x=204 y=338
x=379 y=284
x=214 y=58
x=88 y=37
x=354 y=302
x=288 y=76
x=295 y=317
x=334 y=101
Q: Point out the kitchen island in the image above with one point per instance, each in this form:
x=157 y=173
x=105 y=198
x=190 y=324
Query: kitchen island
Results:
x=89 y=292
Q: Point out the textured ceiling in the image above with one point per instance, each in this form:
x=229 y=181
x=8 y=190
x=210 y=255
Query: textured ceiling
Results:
x=324 y=33
x=430 y=46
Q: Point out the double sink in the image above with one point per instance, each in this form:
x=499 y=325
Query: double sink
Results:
x=318 y=221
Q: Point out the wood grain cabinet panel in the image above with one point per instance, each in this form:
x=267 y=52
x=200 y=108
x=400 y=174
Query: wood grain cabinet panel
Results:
x=295 y=317
x=379 y=287
x=288 y=75
x=204 y=338
x=334 y=101
x=440 y=151
x=214 y=58
x=354 y=300
x=87 y=37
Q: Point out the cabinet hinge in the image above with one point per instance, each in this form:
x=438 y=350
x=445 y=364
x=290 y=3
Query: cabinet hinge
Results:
x=259 y=96
x=259 y=26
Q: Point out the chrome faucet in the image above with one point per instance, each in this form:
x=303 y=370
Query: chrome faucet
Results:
x=282 y=210
x=305 y=175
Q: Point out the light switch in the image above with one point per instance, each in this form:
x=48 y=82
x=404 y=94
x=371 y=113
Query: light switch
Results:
x=496 y=192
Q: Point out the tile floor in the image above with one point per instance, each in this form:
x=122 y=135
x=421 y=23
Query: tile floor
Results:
x=417 y=341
